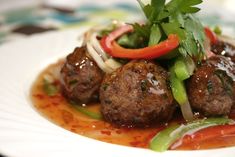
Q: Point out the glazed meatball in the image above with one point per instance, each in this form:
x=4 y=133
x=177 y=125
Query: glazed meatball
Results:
x=211 y=88
x=81 y=77
x=136 y=94
x=224 y=48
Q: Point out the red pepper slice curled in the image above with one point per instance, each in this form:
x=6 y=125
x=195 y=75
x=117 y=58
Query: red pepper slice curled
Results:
x=150 y=52
x=106 y=41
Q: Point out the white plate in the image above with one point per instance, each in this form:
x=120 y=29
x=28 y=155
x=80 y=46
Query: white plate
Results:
x=25 y=133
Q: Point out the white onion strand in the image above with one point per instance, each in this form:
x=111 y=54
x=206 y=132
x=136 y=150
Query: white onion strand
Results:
x=95 y=43
x=98 y=59
x=113 y=63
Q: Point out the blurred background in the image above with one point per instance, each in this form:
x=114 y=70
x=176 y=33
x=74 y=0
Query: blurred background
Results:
x=14 y=4
x=21 y=18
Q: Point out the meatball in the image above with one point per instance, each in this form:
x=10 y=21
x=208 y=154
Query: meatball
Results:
x=136 y=94
x=224 y=48
x=211 y=88
x=81 y=77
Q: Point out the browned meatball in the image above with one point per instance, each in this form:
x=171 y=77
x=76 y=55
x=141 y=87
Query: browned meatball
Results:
x=211 y=88
x=81 y=77
x=224 y=48
x=136 y=94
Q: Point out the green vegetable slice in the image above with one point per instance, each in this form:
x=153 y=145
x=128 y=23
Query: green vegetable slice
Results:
x=178 y=88
x=163 y=140
x=85 y=111
x=49 y=88
x=180 y=95
x=217 y=30
x=181 y=70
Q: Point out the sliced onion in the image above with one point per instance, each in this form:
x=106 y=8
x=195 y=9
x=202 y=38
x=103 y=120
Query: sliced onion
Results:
x=113 y=63
x=187 y=111
x=103 y=60
x=98 y=59
x=95 y=43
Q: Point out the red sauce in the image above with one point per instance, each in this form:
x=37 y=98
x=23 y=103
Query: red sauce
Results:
x=60 y=112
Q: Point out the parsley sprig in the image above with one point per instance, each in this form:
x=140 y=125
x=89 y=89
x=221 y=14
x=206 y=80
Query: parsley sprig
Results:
x=174 y=17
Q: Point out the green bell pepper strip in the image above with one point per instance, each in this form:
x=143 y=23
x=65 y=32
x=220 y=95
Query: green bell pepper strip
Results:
x=181 y=70
x=49 y=88
x=184 y=67
x=85 y=111
x=178 y=89
x=165 y=138
x=180 y=95
x=218 y=30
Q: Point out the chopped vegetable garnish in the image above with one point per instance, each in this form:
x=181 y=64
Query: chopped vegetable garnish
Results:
x=180 y=95
x=90 y=114
x=85 y=111
x=163 y=20
x=106 y=41
x=174 y=17
x=102 y=59
x=178 y=90
x=155 y=35
x=148 y=52
x=49 y=88
x=163 y=140
x=181 y=70
x=217 y=30
x=205 y=135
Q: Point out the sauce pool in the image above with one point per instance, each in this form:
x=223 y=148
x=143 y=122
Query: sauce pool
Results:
x=59 y=111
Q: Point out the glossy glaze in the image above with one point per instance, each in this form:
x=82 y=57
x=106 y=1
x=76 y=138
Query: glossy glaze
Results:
x=59 y=111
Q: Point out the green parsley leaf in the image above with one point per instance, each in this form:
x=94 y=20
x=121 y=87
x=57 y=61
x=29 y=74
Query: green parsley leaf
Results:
x=142 y=30
x=187 y=6
x=193 y=25
x=184 y=6
x=152 y=10
x=158 y=6
x=148 y=10
x=189 y=45
x=132 y=40
x=155 y=35
x=173 y=18
x=174 y=28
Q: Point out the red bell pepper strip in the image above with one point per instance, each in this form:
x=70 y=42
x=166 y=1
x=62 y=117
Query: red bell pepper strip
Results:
x=148 y=52
x=211 y=35
x=106 y=41
x=165 y=138
x=205 y=135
